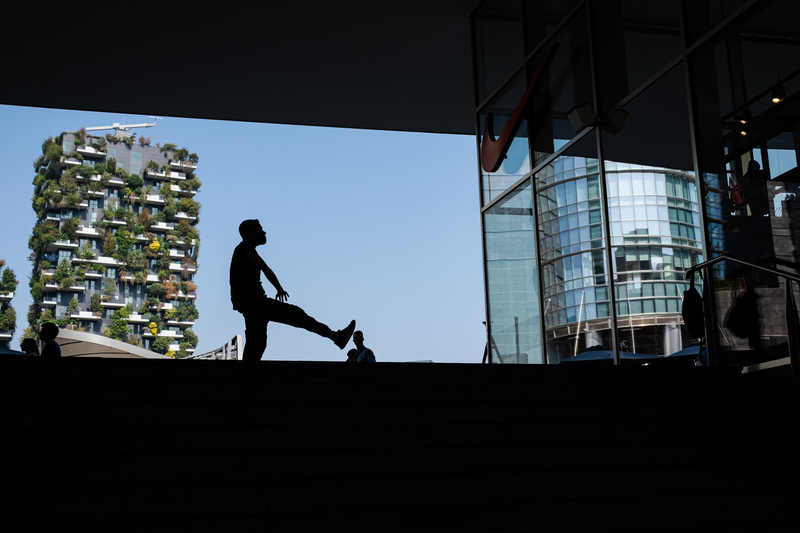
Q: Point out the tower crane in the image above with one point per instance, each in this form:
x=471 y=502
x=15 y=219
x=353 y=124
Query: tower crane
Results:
x=117 y=127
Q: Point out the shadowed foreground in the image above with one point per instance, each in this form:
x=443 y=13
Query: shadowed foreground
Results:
x=151 y=445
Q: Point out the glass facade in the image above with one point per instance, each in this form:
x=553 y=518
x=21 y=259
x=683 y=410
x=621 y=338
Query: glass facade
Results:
x=596 y=214
x=511 y=274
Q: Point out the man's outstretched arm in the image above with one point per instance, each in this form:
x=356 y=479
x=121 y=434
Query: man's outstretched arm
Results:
x=253 y=256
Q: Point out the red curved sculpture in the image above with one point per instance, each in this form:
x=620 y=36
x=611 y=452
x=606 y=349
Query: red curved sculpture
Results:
x=493 y=151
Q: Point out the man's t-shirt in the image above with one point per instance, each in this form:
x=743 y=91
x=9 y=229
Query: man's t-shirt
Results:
x=245 y=280
x=51 y=349
x=365 y=356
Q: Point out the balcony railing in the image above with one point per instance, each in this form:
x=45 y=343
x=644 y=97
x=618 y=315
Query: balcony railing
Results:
x=88 y=231
x=181 y=323
x=86 y=315
x=177 y=267
x=162 y=226
x=6 y=296
x=188 y=165
x=161 y=175
x=101 y=259
x=177 y=347
x=64 y=244
x=171 y=334
x=90 y=151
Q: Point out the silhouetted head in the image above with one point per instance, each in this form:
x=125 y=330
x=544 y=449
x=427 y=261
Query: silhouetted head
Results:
x=28 y=345
x=358 y=339
x=251 y=230
x=48 y=331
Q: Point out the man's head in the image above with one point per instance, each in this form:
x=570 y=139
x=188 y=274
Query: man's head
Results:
x=48 y=331
x=358 y=339
x=251 y=231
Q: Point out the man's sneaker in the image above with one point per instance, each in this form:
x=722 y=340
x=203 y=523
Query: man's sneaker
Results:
x=345 y=334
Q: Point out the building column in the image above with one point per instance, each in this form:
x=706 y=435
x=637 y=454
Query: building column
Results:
x=592 y=338
x=673 y=339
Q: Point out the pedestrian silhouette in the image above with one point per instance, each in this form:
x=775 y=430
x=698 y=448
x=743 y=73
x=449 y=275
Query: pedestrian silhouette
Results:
x=364 y=354
x=48 y=334
x=248 y=297
x=29 y=346
x=743 y=317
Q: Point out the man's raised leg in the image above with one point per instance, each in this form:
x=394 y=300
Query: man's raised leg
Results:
x=292 y=315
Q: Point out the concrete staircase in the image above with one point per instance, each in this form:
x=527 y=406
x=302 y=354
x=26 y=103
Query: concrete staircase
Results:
x=133 y=445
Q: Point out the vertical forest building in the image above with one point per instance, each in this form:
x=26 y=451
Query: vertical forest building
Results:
x=115 y=244
x=8 y=316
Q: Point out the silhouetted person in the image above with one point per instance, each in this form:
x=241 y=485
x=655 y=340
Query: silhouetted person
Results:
x=751 y=233
x=364 y=354
x=48 y=334
x=351 y=355
x=29 y=346
x=754 y=188
x=744 y=319
x=248 y=297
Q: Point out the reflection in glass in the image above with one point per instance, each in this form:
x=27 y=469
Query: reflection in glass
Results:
x=497 y=27
x=513 y=287
x=656 y=238
x=748 y=156
x=517 y=162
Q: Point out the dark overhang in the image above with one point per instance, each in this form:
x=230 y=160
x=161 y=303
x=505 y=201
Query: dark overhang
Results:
x=402 y=66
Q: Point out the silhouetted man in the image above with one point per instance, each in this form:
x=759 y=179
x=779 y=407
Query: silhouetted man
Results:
x=248 y=297
x=48 y=334
x=364 y=354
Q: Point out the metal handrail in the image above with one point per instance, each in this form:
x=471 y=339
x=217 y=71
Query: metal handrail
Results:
x=719 y=258
x=792 y=330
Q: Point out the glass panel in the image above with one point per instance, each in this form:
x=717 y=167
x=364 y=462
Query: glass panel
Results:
x=747 y=146
x=517 y=162
x=571 y=244
x=653 y=147
x=566 y=85
x=513 y=286
x=639 y=38
x=542 y=17
x=499 y=50
x=702 y=17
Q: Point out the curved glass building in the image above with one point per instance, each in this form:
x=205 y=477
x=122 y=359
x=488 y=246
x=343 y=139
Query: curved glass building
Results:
x=654 y=225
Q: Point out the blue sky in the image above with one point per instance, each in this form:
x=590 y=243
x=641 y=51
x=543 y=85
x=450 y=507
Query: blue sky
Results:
x=380 y=227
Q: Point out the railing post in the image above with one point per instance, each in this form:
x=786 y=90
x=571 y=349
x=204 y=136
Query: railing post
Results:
x=793 y=335
x=710 y=318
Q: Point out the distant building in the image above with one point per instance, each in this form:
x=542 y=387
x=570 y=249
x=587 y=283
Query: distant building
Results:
x=115 y=244
x=8 y=316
